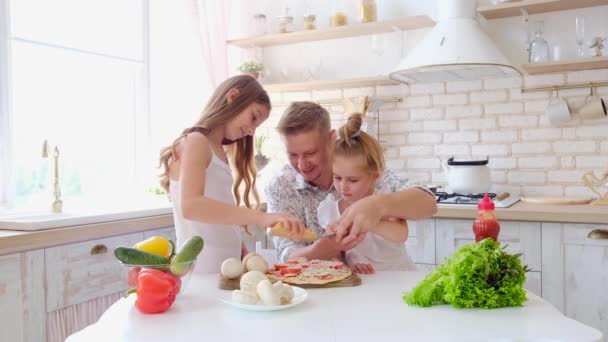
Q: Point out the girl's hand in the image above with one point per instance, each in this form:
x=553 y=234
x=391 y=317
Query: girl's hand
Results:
x=244 y=250
x=293 y=224
x=363 y=268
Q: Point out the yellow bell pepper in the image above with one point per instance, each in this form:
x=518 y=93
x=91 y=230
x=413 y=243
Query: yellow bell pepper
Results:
x=155 y=245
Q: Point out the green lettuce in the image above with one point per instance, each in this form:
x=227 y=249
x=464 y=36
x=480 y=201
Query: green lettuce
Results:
x=479 y=275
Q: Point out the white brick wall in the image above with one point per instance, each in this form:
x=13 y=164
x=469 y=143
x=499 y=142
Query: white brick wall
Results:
x=474 y=119
x=455 y=112
x=462 y=136
x=423 y=138
x=504 y=108
x=462 y=86
x=488 y=96
x=449 y=99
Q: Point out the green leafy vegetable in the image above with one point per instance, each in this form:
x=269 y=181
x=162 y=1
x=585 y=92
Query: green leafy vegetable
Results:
x=479 y=275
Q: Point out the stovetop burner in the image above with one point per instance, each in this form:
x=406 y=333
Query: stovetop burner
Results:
x=453 y=198
x=460 y=198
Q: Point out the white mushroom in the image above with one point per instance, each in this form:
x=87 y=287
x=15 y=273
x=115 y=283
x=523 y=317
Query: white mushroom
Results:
x=246 y=258
x=231 y=268
x=250 y=280
x=268 y=293
x=257 y=263
x=245 y=297
x=285 y=292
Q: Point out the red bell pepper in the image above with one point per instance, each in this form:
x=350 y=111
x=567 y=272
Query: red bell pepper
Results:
x=156 y=291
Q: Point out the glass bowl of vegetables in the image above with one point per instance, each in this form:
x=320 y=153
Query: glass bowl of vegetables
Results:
x=156 y=258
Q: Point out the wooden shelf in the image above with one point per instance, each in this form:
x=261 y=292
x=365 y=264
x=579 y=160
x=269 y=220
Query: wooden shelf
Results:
x=407 y=23
x=511 y=9
x=334 y=84
x=567 y=65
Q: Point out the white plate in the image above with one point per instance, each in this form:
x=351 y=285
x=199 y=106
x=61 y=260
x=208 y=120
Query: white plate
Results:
x=299 y=296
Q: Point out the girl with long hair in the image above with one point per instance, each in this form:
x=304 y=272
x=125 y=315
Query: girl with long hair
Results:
x=198 y=169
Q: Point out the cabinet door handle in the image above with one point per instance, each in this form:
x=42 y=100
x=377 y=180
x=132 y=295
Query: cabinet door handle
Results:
x=99 y=249
x=599 y=234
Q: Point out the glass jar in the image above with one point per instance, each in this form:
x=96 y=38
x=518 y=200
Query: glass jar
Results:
x=338 y=14
x=259 y=24
x=310 y=22
x=367 y=11
x=285 y=22
x=539 y=48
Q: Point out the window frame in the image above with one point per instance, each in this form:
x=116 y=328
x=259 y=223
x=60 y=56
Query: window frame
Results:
x=142 y=133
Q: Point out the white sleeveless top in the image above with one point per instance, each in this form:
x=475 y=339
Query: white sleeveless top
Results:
x=221 y=241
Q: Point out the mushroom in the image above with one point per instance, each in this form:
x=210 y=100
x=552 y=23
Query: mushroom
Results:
x=257 y=263
x=268 y=293
x=245 y=297
x=285 y=292
x=250 y=280
x=231 y=268
x=246 y=258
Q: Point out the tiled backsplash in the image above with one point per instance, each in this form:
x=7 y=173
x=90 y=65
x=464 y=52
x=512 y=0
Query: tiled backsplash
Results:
x=475 y=119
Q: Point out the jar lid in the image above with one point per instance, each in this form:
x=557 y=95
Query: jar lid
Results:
x=310 y=17
x=259 y=16
x=285 y=19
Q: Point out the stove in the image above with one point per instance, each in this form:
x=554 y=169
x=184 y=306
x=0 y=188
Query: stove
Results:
x=455 y=199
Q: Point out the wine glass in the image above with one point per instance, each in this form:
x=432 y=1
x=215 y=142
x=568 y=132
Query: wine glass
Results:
x=580 y=34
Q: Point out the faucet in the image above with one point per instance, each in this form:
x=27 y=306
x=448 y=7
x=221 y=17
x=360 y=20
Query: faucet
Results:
x=57 y=204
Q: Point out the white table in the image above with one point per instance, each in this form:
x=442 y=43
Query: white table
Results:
x=373 y=311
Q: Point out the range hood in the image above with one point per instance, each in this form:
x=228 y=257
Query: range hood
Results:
x=455 y=49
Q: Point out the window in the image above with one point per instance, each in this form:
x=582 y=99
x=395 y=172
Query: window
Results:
x=78 y=74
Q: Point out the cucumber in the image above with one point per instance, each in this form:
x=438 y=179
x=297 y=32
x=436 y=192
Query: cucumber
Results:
x=188 y=252
x=132 y=256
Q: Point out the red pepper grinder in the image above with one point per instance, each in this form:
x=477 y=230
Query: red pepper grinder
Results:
x=486 y=225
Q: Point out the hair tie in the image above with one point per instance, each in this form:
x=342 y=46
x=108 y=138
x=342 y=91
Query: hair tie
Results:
x=356 y=134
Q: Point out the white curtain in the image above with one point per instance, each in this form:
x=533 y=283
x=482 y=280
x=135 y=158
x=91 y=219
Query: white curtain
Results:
x=212 y=19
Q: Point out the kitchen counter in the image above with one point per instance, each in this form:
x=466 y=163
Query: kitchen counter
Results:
x=521 y=211
x=18 y=241
x=13 y=241
x=373 y=310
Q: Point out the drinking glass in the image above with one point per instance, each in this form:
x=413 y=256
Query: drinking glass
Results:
x=580 y=34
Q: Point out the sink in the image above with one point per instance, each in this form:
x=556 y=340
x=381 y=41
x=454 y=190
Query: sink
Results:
x=45 y=220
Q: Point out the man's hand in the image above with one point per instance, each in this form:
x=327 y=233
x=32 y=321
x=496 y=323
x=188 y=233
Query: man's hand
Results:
x=360 y=217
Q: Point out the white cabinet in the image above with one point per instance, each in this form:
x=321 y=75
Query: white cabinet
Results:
x=518 y=237
x=79 y=272
x=22 y=309
x=575 y=272
x=420 y=243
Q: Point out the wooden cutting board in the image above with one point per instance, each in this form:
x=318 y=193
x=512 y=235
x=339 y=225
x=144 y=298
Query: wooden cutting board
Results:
x=556 y=200
x=234 y=284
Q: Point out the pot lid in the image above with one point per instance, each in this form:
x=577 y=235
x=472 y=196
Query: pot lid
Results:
x=453 y=162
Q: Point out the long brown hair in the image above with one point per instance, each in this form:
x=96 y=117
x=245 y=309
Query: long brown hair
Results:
x=352 y=141
x=217 y=113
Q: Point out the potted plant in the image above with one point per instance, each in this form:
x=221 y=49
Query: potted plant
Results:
x=260 y=159
x=251 y=68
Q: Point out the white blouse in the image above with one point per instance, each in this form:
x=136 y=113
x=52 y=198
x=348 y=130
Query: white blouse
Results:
x=382 y=254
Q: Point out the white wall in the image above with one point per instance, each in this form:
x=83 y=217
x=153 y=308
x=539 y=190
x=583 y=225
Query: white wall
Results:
x=467 y=119
x=351 y=57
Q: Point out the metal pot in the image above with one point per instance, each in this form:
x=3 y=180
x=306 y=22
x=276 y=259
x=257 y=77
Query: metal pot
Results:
x=467 y=177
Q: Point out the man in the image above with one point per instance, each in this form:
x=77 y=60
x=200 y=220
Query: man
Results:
x=305 y=182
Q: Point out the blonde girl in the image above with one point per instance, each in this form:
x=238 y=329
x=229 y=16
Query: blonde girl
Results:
x=358 y=162
x=198 y=174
